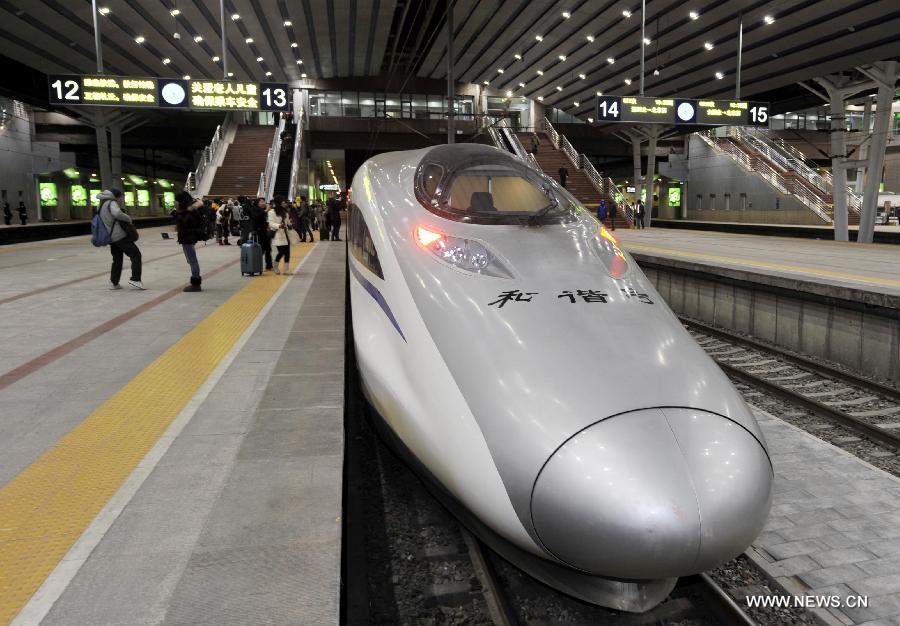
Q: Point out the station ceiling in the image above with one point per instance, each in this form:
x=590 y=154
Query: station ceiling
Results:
x=560 y=50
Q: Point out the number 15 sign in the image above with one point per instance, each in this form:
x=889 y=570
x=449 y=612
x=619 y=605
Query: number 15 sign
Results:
x=651 y=110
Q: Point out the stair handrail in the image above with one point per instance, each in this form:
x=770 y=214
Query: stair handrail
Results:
x=267 y=176
x=207 y=155
x=570 y=151
x=520 y=150
x=547 y=127
x=769 y=174
x=294 y=185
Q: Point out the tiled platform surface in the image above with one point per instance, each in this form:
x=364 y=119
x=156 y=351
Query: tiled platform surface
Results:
x=851 y=271
x=834 y=527
x=240 y=521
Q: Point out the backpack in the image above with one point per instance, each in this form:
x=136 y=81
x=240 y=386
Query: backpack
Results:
x=100 y=235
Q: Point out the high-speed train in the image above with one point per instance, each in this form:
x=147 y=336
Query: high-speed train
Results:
x=524 y=364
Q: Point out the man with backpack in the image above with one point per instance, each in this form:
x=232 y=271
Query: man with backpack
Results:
x=119 y=234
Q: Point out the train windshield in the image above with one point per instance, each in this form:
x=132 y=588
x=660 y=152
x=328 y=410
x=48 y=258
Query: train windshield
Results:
x=479 y=184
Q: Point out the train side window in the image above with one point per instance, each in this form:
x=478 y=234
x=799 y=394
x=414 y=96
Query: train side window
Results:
x=361 y=245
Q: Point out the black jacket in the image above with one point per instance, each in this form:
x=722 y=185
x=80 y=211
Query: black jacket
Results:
x=188 y=222
x=334 y=210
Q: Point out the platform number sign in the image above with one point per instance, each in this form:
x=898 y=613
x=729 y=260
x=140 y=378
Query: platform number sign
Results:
x=65 y=90
x=609 y=108
x=274 y=97
x=759 y=115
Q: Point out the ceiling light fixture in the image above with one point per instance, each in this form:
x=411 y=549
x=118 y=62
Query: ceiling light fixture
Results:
x=590 y=120
x=720 y=75
x=656 y=72
x=248 y=40
x=627 y=81
x=259 y=59
x=517 y=56
x=508 y=93
x=230 y=74
x=215 y=59
x=582 y=76
x=299 y=61
x=288 y=23
x=186 y=77
x=293 y=44
x=708 y=45
x=175 y=12
x=599 y=93
x=487 y=82
x=575 y=103
x=626 y=13
x=559 y=88
x=268 y=73
x=566 y=14
x=499 y=70
x=103 y=10
x=139 y=39
x=541 y=98
x=562 y=57
x=694 y=15
x=198 y=38
x=302 y=75
x=521 y=84
x=610 y=60
x=166 y=61
x=646 y=41
x=768 y=19
x=538 y=38
x=540 y=72
x=590 y=38
x=235 y=17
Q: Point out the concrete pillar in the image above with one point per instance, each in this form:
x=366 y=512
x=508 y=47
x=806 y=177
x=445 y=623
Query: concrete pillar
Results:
x=876 y=152
x=106 y=178
x=864 y=146
x=651 y=173
x=838 y=156
x=636 y=157
x=115 y=133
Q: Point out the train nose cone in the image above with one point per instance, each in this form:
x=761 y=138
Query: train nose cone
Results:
x=656 y=493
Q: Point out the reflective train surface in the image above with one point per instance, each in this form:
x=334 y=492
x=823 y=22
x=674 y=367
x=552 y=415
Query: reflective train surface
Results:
x=527 y=367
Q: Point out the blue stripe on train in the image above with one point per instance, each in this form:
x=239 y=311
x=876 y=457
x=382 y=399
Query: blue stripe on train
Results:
x=376 y=295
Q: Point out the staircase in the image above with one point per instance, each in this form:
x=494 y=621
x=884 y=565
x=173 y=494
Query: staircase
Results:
x=244 y=162
x=583 y=181
x=783 y=170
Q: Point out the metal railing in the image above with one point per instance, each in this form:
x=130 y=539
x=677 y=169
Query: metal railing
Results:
x=519 y=149
x=607 y=188
x=547 y=127
x=298 y=152
x=769 y=174
x=790 y=158
x=267 y=176
x=207 y=156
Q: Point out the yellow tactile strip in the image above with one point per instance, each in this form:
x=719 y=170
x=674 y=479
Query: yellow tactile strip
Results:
x=811 y=271
x=47 y=507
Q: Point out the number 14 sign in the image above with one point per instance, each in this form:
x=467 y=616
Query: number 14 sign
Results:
x=652 y=110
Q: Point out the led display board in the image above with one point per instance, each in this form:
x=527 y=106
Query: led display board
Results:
x=79 y=195
x=124 y=91
x=95 y=197
x=129 y=198
x=49 y=194
x=169 y=199
x=650 y=110
x=143 y=197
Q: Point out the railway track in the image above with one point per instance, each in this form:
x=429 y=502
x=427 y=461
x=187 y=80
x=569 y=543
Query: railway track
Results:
x=869 y=408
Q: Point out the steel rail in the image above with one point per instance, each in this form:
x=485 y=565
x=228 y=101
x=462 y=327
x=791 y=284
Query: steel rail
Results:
x=498 y=604
x=800 y=361
x=735 y=613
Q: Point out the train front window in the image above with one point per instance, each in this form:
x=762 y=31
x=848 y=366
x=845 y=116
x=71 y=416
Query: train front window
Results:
x=474 y=183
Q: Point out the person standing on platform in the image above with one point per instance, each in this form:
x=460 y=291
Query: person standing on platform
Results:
x=7 y=214
x=563 y=175
x=245 y=223
x=259 y=218
x=602 y=211
x=23 y=213
x=121 y=242
x=280 y=227
x=305 y=216
x=188 y=223
x=639 y=215
x=535 y=143
x=612 y=213
x=334 y=217
x=223 y=224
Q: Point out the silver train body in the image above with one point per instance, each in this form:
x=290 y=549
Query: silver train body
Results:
x=529 y=366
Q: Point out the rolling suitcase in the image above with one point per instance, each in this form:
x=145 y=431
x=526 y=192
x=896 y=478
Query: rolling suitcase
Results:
x=251 y=257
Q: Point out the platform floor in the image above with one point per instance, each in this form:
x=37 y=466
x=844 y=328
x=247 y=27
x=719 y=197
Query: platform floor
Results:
x=169 y=458
x=872 y=267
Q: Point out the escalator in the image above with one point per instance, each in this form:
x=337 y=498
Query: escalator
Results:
x=285 y=159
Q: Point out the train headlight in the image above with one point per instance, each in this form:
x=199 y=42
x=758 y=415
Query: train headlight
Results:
x=465 y=254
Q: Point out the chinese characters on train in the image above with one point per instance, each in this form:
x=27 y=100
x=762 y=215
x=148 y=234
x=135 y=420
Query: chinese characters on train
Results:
x=578 y=296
